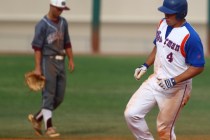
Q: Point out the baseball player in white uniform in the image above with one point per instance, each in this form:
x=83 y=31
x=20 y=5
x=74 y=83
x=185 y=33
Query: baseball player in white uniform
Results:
x=177 y=57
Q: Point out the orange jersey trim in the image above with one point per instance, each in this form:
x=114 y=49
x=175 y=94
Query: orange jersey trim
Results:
x=183 y=44
x=160 y=23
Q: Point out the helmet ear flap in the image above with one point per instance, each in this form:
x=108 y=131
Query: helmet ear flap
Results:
x=182 y=14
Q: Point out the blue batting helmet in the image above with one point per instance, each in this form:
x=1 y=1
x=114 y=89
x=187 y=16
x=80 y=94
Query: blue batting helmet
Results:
x=178 y=7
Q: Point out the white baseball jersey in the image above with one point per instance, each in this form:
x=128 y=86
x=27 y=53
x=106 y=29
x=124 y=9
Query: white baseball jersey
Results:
x=175 y=50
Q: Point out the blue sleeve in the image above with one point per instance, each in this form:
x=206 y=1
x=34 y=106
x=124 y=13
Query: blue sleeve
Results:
x=194 y=51
x=154 y=42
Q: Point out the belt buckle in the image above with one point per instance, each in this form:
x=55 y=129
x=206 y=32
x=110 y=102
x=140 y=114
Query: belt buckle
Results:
x=59 y=57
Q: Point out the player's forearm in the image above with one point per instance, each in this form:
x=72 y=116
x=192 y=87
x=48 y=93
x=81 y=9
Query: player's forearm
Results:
x=151 y=58
x=37 y=56
x=69 y=53
x=189 y=73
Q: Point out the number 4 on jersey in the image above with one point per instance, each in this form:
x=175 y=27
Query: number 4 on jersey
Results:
x=170 y=57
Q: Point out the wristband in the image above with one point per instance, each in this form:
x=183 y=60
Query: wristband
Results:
x=146 y=65
x=173 y=81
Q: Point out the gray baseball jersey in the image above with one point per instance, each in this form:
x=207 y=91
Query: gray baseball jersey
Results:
x=52 y=38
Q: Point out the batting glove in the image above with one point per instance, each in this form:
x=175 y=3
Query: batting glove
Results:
x=140 y=71
x=166 y=83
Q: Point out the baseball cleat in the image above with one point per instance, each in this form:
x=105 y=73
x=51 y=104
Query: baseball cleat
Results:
x=37 y=126
x=51 y=132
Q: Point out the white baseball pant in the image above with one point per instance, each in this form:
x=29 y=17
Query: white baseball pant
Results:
x=169 y=102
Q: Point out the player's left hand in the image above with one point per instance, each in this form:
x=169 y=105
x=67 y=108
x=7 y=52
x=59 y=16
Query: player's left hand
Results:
x=71 y=65
x=166 y=83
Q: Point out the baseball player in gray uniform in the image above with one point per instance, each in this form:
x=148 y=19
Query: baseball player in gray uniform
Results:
x=177 y=57
x=51 y=43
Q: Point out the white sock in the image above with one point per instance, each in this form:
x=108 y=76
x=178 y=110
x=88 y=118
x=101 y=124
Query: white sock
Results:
x=38 y=116
x=47 y=114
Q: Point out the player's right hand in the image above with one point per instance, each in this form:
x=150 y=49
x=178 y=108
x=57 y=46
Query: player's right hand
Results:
x=139 y=72
x=166 y=83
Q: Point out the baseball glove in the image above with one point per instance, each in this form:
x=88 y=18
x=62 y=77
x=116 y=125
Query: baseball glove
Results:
x=34 y=82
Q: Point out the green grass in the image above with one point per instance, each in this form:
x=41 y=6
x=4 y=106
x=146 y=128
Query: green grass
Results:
x=97 y=93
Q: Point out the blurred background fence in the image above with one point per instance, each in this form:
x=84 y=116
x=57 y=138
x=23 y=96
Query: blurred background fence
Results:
x=127 y=27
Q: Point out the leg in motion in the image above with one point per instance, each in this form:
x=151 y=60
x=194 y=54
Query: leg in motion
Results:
x=36 y=122
x=139 y=105
x=50 y=130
